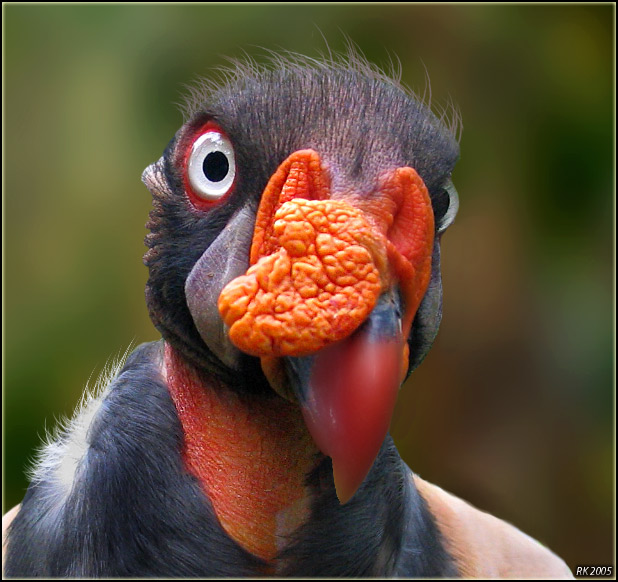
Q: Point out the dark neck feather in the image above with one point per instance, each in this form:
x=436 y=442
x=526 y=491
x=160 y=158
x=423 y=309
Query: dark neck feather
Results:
x=384 y=530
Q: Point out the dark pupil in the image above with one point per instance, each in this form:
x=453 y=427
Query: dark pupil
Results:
x=216 y=166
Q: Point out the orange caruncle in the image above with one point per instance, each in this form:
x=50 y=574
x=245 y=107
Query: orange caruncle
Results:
x=316 y=286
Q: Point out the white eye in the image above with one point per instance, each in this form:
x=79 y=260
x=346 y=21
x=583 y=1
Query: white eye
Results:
x=211 y=168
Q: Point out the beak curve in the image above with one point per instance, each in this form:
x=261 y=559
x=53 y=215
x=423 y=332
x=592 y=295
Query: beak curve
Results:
x=347 y=392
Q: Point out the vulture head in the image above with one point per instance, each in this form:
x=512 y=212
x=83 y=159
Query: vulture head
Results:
x=295 y=243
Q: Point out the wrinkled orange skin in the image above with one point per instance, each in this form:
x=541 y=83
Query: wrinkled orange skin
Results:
x=313 y=290
x=410 y=235
x=320 y=264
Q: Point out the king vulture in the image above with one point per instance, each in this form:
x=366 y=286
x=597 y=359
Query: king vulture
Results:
x=294 y=276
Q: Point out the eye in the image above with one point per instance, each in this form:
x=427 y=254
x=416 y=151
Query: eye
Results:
x=211 y=167
x=445 y=205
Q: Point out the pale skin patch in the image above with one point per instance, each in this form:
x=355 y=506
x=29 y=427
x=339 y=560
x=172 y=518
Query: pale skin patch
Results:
x=7 y=518
x=484 y=546
x=315 y=287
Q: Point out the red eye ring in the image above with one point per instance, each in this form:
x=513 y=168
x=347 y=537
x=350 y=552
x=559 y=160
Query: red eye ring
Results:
x=209 y=171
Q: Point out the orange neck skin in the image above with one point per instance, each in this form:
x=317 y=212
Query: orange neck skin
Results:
x=250 y=454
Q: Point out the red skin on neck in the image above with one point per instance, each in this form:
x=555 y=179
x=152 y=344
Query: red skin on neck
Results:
x=251 y=455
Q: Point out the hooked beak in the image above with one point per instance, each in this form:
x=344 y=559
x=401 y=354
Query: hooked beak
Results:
x=347 y=392
x=334 y=284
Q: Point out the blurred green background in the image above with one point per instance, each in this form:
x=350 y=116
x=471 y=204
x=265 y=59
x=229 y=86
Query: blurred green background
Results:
x=514 y=407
